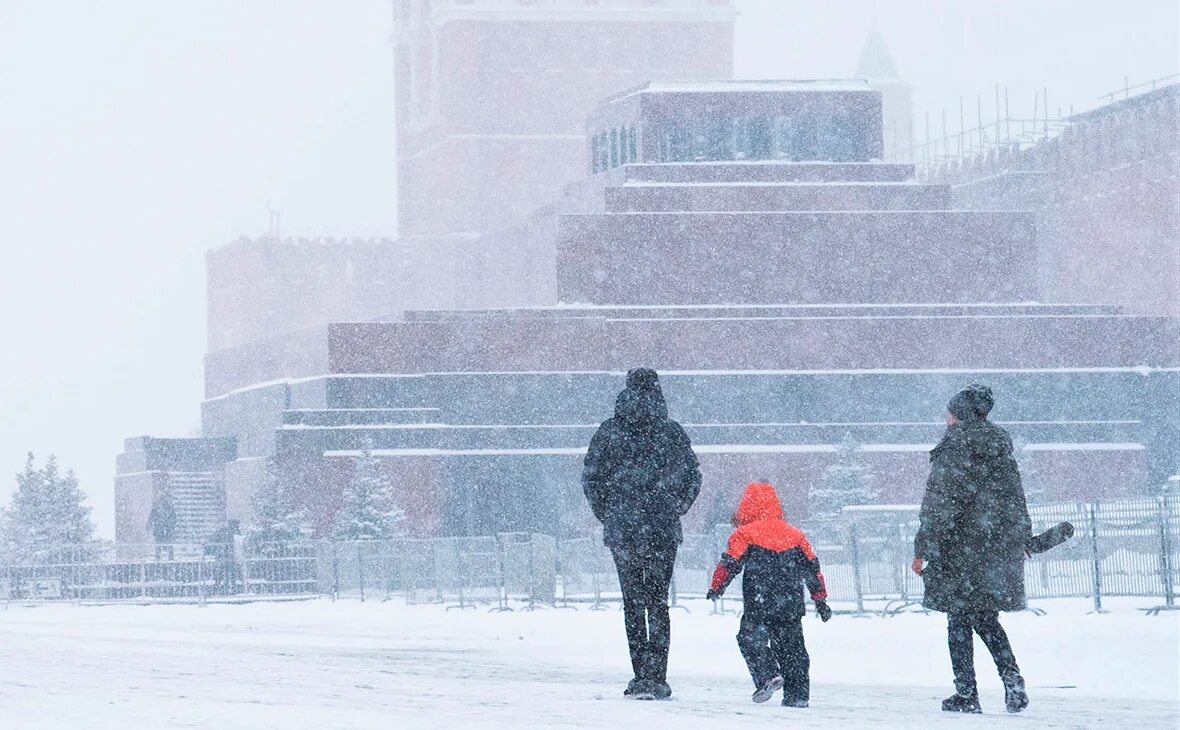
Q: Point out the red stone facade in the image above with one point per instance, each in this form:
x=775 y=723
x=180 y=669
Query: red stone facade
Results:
x=777 y=257
x=788 y=339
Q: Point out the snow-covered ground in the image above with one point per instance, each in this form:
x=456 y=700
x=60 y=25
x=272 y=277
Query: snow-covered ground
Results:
x=320 y=664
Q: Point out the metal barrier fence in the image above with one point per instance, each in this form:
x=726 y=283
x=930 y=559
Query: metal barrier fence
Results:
x=1121 y=548
x=1128 y=547
x=161 y=572
x=458 y=571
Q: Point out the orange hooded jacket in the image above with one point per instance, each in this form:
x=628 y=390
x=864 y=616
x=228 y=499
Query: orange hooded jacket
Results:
x=776 y=554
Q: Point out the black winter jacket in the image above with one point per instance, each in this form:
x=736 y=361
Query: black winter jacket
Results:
x=640 y=474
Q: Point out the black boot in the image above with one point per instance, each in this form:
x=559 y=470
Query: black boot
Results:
x=640 y=689
x=1015 y=696
x=962 y=703
x=800 y=703
x=767 y=690
x=661 y=690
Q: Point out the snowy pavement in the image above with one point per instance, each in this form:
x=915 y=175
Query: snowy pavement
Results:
x=320 y=664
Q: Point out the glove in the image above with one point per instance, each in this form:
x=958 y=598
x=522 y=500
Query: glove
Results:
x=822 y=610
x=712 y=595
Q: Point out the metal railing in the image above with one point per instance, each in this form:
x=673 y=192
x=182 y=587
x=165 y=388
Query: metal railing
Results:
x=1128 y=547
x=1145 y=87
x=154 y=572
x=1120 y=548
x=1006 y=142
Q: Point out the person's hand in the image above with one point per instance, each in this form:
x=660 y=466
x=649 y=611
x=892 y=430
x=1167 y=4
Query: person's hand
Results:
x=916 y=566
x=822 y=610
x=712 y=595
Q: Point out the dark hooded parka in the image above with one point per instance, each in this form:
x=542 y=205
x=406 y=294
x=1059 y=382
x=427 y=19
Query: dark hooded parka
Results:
x=640 y=474
x=974 y=518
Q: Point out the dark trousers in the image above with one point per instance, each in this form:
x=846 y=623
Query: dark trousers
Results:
x=645 y=577
x=960 y=630
x=776 y=648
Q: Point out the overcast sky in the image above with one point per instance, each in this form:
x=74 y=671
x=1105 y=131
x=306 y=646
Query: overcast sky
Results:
x=135 y=135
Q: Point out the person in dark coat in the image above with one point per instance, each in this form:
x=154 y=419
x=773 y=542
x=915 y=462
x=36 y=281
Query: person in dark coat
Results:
x=778 y=561
x=222 y=548
x=972 y=538
x=162 y=523
x=640 y=476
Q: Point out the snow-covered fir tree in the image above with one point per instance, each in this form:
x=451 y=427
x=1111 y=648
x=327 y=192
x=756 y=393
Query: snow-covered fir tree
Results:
x=847 y=482
x=67 y=508
x=369 y=510
x=47 y=512
x=25 y=519
x=278 y=516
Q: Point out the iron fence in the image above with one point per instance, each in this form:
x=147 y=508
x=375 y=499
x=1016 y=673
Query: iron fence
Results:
x=161 y=572
x=1120 y=548
x=1128 y=547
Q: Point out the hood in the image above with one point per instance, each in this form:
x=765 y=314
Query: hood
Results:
x=639 y=407
x=642 y=401
x=982 y=438
x=759 y=502
x=643 y=379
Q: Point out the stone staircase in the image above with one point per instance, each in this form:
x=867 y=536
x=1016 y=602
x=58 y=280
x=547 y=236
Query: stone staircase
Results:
x=199 y=500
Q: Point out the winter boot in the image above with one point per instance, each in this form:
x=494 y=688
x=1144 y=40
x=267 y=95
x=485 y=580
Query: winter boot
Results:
x=640 y=689
x=1015 y=696
x=801 y=704
x=962 y=703
x=661 y=691
x=767 y=690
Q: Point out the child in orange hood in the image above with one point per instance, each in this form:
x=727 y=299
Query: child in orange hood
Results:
x=778 y=560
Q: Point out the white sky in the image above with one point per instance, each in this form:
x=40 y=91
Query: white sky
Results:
x=136 y=134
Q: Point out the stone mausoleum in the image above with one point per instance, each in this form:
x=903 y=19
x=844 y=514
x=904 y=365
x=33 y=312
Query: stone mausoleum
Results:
x=743 y=238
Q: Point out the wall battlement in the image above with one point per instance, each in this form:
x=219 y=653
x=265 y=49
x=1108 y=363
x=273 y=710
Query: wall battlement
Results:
x=261 y=288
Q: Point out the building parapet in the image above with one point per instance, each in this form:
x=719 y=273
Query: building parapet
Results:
x=409 y=15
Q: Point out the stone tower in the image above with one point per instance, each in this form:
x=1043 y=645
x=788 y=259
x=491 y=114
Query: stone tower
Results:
x=492 y=98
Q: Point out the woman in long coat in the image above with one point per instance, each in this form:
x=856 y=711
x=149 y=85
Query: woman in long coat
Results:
x=973 y=536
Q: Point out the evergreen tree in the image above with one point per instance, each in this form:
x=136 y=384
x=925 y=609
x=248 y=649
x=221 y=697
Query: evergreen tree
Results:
x=368 y=509
x=847 y=482
x=278 y=516
x=69 y=515
x=26 y=518
x=47 y=512
x=7 y=543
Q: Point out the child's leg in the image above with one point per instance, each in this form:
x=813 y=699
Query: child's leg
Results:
x=791 y=653
x=754 y=640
